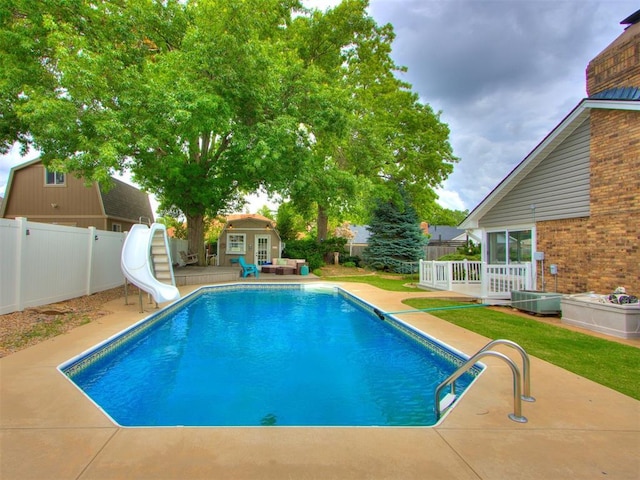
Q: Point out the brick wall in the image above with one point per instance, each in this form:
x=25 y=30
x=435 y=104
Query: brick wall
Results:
x=602 y=251
x=618 y=65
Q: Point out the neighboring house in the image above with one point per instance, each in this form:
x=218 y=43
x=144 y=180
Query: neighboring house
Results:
x=46 y=196
x=444 y=235
x=446 y=238
x=575 y=199
x=253 y=237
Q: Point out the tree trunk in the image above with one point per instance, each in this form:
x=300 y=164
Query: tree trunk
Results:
x=322 y=223
x=195 y=236
x=323 y=231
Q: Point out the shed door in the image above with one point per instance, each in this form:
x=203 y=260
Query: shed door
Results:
x=263 y=249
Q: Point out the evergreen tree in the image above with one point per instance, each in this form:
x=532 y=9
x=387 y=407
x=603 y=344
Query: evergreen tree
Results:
x=396 y=237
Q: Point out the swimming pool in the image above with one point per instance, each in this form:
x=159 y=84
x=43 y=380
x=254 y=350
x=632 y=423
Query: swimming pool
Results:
x=267 y=354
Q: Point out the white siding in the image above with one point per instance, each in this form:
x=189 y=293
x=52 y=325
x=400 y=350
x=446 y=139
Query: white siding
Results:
x=558 y=187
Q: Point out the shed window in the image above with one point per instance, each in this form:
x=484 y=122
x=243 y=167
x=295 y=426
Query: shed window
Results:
x=53 y=178
x=116 y=227
x=236 y=243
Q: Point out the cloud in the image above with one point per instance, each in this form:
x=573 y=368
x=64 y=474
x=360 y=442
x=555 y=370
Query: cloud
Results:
x=503 y=73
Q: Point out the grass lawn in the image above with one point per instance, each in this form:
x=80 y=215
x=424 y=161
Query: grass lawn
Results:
x=608 y=363
x=386 y=281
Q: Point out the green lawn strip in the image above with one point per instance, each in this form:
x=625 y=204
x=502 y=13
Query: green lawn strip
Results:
x=608 y=363
x=390 y=284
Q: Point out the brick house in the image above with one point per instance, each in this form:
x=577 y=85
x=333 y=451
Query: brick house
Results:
x=44 y=196
x=575 y=199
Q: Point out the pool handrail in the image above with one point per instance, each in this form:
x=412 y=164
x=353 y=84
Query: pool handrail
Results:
x=516 y=416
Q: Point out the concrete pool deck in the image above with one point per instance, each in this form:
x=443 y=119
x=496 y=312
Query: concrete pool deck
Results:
x=576 y=429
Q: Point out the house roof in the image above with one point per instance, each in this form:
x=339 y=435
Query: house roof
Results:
x=619 y=93
x=572 y=121
x=443 y=233
x=122 y=200
x=631 y=19
x=125 y=201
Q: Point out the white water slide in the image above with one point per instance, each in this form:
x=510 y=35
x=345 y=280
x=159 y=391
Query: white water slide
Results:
x=146 y=263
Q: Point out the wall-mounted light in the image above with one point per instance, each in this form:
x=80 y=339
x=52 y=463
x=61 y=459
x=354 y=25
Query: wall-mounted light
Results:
x=268 y=227
x=230 y=226
x=54 y=205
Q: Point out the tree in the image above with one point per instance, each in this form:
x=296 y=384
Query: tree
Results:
x=200 y=100
x=207 y=100
x=445 y=216
x=387 y=138
x=396 y=238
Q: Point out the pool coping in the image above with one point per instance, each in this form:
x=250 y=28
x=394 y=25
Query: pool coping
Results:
x=576 y=428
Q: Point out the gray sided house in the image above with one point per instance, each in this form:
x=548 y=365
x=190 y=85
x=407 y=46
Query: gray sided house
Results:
x=571 y=207
x=45 y=196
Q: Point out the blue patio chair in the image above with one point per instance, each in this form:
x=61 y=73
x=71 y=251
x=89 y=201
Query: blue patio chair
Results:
x=248 y=268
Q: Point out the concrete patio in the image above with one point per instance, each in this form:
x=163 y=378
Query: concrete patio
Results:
x=576 y=429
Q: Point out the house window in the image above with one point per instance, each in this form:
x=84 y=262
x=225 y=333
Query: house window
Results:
x=116 y=227
x=509 y=246
x=236 y=243
x=53 y=178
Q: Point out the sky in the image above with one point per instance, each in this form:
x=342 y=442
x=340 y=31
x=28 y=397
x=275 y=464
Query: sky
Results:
x=503 y=74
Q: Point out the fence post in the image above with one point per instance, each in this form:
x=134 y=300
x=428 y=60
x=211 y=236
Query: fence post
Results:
x=21 y=246
x=93 y=237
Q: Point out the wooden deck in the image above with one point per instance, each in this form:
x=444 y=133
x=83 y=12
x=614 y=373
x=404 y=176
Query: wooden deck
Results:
x=195 y=275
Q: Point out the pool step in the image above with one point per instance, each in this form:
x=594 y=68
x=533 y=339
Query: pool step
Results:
x=447 y=401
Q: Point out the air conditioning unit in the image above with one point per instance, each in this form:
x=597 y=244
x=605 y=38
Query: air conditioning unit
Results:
x=539 y=303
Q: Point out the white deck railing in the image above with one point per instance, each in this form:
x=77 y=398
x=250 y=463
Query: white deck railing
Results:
x=494 y=280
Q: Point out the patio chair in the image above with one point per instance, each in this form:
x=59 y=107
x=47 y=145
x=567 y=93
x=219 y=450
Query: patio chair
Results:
x=248 y=268
x=189 y=258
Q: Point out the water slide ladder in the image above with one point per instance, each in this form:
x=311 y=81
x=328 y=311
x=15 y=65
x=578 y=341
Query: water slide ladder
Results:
x=160 y=259
x=160 y=262
x=521 y=383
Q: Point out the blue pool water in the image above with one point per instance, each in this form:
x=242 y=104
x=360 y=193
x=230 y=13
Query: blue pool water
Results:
x=251 y=356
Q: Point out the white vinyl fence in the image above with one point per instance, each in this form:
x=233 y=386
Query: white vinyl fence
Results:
x=41 y=263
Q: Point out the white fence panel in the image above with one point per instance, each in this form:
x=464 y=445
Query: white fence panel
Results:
x=42 y=263
x=54 y=263
x=105 y=261
x=9 y=262
x=176 y=245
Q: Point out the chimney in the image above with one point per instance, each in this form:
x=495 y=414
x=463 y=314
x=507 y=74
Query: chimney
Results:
x=618 y=65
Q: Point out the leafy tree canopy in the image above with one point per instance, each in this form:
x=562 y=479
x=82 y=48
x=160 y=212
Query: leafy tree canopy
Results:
x=207 y=100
